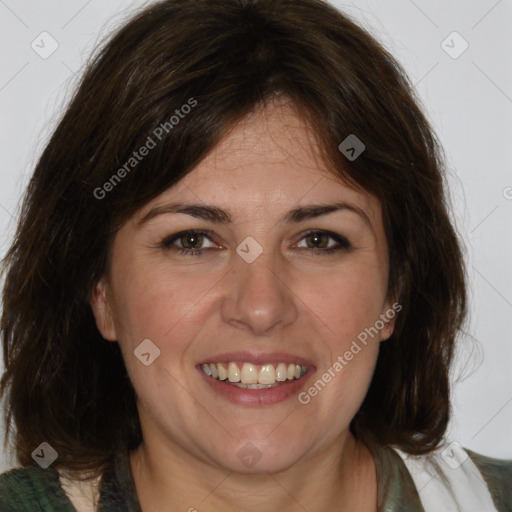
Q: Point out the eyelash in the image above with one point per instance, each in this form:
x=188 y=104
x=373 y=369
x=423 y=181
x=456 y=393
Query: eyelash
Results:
x=167 y=243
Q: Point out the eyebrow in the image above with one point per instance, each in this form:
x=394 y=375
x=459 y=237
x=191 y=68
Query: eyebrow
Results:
x=220 y=216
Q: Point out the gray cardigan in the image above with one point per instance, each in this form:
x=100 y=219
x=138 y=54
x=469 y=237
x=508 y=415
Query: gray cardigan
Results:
x=35 y=489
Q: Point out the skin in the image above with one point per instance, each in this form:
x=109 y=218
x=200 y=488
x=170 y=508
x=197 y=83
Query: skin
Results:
x=290 y=299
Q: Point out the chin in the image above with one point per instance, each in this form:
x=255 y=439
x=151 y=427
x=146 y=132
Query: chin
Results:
x=253 y=456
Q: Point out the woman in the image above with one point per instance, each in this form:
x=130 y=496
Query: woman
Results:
x=235 y=284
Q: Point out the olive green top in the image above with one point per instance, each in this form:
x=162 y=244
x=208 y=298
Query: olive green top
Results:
x=35 y=489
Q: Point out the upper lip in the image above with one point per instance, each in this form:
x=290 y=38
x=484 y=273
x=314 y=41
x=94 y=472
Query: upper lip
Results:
x=258 y=358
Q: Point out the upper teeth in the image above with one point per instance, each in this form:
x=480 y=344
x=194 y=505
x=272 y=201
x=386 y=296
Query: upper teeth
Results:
x=253 y=374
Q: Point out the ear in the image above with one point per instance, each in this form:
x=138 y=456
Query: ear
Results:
x=388 y=316
x=102 y=311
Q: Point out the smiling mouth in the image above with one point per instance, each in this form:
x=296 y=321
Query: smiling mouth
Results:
x=251 y=376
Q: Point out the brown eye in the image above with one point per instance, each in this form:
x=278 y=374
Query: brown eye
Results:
x=188 y=242
x=319 y=242
x=318 y=239
x=191 y=240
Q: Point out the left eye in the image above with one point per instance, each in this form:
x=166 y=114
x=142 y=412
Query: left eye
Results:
x=320 y=240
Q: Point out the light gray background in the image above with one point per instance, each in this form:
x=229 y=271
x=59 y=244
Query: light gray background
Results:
x=467 y=99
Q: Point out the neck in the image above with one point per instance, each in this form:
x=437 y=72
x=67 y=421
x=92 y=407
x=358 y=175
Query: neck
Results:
x=173 y=480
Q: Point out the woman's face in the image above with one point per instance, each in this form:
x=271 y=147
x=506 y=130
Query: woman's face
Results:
x=275 y=286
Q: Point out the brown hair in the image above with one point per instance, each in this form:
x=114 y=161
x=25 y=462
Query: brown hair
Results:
x=63 y=383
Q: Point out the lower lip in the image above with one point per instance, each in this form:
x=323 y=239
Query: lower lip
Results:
x=256 y=397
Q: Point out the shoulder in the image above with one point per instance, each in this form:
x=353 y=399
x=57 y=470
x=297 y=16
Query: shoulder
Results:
x=453 y=476
x=32 y=488
x=498 y=475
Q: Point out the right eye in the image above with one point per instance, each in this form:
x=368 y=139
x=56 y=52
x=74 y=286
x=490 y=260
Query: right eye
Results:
x=190 y=241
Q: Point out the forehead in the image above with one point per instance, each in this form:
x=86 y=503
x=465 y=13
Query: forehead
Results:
x=274 y=137
x=267 y=164
x=270 y=155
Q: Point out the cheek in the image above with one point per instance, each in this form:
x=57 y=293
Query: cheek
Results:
x=157 y=302
x=174 y=308
x=347 y=301
x=153 y=303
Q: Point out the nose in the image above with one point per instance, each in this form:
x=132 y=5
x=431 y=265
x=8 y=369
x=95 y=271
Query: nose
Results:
x=258 y=298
